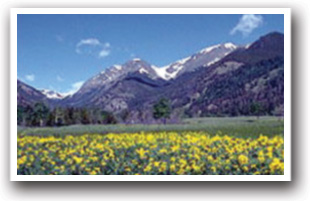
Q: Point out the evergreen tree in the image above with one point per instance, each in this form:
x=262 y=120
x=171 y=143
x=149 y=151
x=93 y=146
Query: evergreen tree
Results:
x=76 y=116
x=51 y=118
x=108 y=118
x=20 y=115
x=68 y=116
x=84 y=116
x=162 y=109
x=29 y=118
x=40 y=113
x=59 y=117
x=256 y=108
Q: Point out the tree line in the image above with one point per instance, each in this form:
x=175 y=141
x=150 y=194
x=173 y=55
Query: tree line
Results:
x=40 y=115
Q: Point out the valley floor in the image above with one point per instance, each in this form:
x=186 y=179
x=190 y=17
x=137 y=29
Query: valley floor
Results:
x=233 y=126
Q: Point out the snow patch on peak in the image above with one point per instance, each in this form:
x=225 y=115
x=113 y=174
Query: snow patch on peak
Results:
x=226 y=45
x=162 y=72
x=213 y=61
x=136 y=59
x=248 y=45
x=209 y=49
x=142 y=70
x=118 y=67
x=182 y=61
x=230 y=46
x=52 y=94
x=177 y=66
x=45 y=91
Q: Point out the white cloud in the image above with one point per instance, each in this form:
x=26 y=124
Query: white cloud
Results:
x=104 y=53
x=74 y=88
x=30 y=77
x=89 y=41
x=247 y=24
x=92 y=46
x=59 y=78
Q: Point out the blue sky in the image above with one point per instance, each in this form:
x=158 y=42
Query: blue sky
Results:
x=60 y=52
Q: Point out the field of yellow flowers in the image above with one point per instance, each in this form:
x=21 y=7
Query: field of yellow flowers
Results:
x=150 y=153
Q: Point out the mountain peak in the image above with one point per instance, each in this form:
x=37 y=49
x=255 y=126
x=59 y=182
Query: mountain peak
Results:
x=112 y=74
x=271 y=37
x=209 y=49
x=136 y=59
x=273 y=34
x=118 y=67
x=273 y=41
x=230 y=45
x=204 y=57
x=266 y=47
x=52 y=94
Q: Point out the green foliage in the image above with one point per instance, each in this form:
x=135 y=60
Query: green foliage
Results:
x=162 y=109
x=76 y=117
x=40 y=111
x=40 y=115
x=20 y=114
x=59 y=116
x=50 y=119
x=108 y=118
x=85 y=116
x=257 y=109
x=32 y=116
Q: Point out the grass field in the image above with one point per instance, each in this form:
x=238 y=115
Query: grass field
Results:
x=241 y=145
x=232 y=126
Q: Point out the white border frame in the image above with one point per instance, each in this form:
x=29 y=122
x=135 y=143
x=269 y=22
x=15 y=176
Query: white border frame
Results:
x=287 y=94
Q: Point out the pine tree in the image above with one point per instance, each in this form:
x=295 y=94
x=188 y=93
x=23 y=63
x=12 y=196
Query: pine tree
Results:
x=256 y=108
x=40 y=113
x=162 y=109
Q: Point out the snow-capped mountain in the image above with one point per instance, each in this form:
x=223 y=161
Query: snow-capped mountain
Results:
x=207 y=84
x=205 y=57
x=111 y=74
x=98 y=85
x=105 y=79
x=52 y=94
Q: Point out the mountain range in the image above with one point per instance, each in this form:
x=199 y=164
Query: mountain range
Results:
x=223 y=79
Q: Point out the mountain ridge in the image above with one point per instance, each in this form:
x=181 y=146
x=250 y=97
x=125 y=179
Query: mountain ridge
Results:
x=227 y=82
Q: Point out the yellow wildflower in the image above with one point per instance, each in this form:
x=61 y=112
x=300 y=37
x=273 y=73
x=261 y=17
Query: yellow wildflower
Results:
x=242 y=159
x=142 y=153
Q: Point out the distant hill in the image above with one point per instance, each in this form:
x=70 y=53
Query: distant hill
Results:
x=27 y=95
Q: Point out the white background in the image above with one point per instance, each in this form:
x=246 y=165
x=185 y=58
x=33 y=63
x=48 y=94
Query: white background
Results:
x=295 y=190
